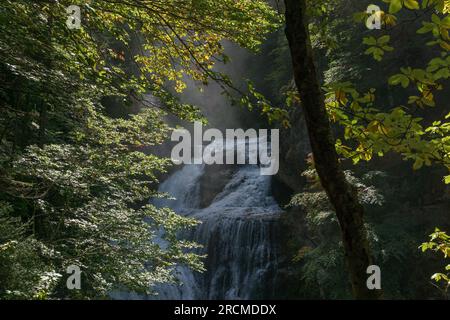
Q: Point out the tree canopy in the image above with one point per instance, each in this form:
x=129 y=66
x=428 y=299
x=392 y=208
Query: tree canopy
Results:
x=78 y=108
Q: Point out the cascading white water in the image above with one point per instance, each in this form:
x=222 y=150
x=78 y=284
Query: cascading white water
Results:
x=238 y=232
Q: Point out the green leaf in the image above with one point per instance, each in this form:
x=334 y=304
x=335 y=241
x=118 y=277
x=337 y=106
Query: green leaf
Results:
x=418 y=164
x=384 y=39
x=427 y=27
x=435 y=19
x=370 y=41
x=360 y=16
x=443 y=73
x=412 y=4
x=395 y=6
x=399 y=79
x=446 y=22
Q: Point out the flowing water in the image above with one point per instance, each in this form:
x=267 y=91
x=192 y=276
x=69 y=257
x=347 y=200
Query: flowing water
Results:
x=239 y=233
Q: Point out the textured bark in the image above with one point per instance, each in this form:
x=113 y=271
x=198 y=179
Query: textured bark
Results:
x=341 y=194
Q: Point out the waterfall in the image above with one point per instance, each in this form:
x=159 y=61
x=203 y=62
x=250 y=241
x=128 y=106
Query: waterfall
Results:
x=238 y=233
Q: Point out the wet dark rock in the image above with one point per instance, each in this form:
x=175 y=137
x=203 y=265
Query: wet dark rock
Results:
x=213 y=181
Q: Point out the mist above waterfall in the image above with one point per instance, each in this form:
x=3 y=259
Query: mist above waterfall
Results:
x=214 y=105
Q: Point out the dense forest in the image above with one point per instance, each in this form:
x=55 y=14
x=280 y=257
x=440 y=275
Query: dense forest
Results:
x=91 y=92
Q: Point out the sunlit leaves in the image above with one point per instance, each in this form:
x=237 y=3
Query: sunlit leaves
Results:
x=399 y=79
x=377 y=133
x=86 y=106
x=439 y=28
x=378 y=47
x=368 y=129
x=425 y=81
x=395 y=6
x=439 y=242
x=180 y=39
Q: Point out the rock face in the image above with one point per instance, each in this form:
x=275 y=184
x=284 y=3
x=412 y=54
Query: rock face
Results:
x=213 y=181
x=294 y=148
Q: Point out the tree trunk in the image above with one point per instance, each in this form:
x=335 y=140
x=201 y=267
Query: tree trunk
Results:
x=341 y=194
